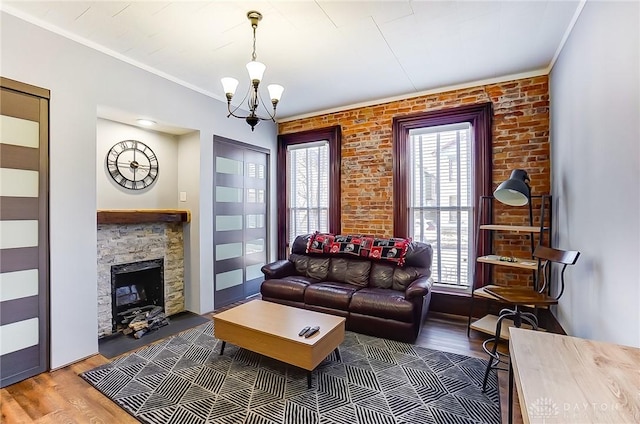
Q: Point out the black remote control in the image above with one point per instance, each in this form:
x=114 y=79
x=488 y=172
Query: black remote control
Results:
x=304 y=330
x=311 y=332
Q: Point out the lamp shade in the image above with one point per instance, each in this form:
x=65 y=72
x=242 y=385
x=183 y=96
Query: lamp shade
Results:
x=275 y=92
x=256 y=70
x=229 y=85
x=515 y=191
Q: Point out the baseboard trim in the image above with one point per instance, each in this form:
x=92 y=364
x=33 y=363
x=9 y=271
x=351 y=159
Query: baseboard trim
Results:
x=75 y=361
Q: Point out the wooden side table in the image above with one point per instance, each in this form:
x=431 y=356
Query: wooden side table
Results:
x=563 y=379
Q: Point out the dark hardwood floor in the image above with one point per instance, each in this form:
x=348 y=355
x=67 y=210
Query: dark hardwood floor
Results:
x=62 y=396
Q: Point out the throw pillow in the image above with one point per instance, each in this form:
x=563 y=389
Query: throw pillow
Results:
x=387 y=249
x=319 y=242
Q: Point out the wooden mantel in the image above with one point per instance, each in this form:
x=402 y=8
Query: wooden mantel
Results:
x=139 y=216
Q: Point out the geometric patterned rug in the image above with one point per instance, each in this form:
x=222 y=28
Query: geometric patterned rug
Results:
x=184 y=379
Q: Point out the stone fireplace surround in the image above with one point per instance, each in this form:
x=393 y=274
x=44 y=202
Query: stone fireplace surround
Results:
x=130 y=241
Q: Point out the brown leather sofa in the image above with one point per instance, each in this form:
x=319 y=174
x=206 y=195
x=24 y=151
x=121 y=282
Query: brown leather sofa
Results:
x=376 y=297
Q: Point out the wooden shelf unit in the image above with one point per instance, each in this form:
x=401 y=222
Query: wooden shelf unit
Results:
x=514 y=228
x=487 y=325
x=530 y=264
x=538 y=233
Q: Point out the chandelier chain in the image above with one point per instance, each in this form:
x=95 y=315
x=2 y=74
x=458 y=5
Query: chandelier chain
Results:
x=253 y=55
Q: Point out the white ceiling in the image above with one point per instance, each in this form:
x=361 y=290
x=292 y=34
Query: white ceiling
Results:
x=327 y=54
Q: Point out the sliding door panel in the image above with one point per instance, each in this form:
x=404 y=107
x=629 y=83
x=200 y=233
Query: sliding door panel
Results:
x=240 y=216
x=24 y=254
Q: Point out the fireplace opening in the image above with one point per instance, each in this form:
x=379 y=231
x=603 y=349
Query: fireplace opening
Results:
x=135 y=286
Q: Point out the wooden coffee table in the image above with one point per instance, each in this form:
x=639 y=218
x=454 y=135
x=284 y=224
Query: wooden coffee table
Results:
x=272 y=330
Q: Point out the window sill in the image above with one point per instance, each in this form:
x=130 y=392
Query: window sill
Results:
x=451 y=290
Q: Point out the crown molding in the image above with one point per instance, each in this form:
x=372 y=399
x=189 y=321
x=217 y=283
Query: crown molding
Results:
x=567 y=33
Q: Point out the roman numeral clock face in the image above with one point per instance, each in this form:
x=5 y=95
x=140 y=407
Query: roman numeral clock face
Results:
x=132 y=164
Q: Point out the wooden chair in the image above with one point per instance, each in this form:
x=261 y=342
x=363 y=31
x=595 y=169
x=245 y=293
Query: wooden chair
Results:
x=526 y=296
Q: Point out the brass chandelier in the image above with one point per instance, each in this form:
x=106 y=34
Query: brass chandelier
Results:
x=256 y=70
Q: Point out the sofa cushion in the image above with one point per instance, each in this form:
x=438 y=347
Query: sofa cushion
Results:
x=403 y=277
x=381 y=275
x=300 y=244
x=301 y=262
x=350 y=271
x=419 y=255
x=382 y=303
x=288 y=288
x=312 y=267
x=332 y=295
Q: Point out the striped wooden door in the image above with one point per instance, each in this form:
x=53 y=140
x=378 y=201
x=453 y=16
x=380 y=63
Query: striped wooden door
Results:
x=24 y=232
x=240 y=209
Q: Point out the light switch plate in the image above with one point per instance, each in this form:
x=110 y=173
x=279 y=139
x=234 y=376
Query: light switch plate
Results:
x=183 y=196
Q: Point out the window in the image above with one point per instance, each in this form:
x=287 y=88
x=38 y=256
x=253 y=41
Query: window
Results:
x=442 y=152
x=429 y=184
x=308 y=188
x=453 y=213
x=442 y=165
x=308 y=184
x=451 y=162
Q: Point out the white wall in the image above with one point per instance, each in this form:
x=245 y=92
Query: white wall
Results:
x=595 y=147
x=80 y=80
x=162 y=194
x=188 y=161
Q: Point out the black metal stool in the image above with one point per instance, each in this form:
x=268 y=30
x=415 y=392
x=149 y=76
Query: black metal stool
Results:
x=517 y=316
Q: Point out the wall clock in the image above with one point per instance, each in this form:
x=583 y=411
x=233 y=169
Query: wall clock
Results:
x=132 y=164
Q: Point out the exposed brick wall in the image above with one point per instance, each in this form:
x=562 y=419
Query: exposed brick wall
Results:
x=520 y=140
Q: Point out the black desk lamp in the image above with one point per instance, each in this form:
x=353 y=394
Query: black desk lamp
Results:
x=515 y=191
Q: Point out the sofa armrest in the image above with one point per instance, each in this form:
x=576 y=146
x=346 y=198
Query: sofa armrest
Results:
x=418 y=288
x=278 y=269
